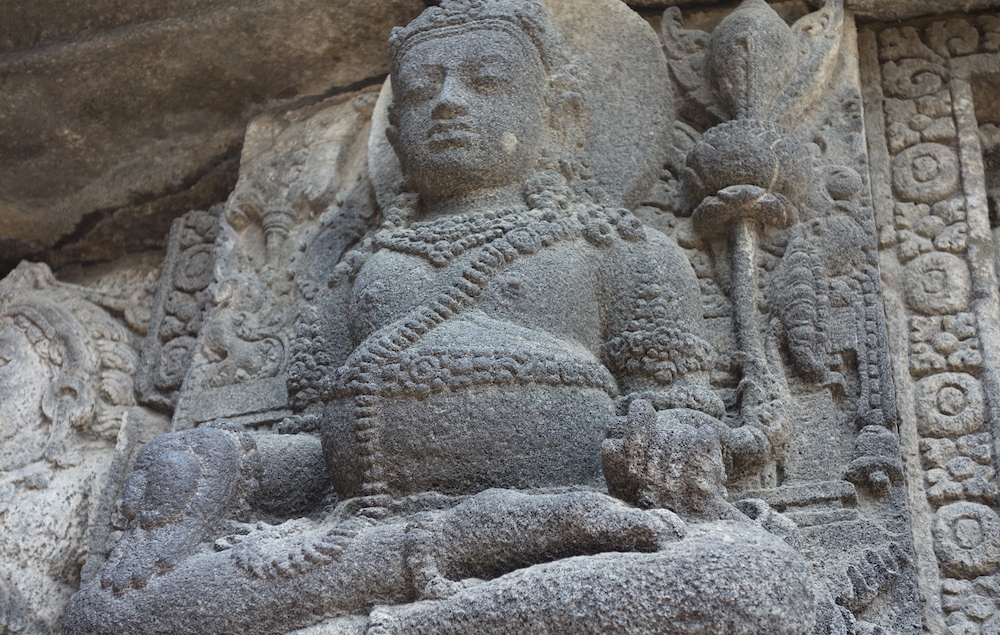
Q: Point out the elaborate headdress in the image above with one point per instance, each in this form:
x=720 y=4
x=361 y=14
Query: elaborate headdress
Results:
x=527 y=21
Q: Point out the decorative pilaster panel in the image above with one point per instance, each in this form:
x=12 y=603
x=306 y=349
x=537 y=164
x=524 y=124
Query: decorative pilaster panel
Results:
x=937 y=254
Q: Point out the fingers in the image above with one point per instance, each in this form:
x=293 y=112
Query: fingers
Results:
x=127 y=568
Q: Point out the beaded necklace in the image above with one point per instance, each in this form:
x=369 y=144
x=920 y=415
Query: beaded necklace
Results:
x=441 y=240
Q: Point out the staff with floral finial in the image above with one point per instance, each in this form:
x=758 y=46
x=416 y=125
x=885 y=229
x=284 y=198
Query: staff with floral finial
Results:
x=752 y=172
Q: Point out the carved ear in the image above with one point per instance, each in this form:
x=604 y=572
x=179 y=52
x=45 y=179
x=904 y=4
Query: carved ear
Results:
x=392 y=128
x=68 y=402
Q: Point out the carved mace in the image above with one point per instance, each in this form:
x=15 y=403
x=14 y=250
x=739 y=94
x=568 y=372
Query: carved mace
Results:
x=751 y=172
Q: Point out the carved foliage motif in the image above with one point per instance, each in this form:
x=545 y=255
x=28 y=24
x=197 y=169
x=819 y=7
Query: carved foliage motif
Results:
x=802 y=172
x=930 y=235
x=182 y=299
x=825 y=274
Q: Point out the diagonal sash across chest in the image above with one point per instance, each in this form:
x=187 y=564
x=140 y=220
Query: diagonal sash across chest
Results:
x=496 y=240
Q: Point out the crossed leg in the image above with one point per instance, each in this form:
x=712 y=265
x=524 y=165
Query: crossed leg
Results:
x=725 y=577
x=276 y=585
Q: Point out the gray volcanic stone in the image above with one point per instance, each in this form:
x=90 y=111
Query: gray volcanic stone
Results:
x=465 y=365
x=570 y=325
x=117 y=121
x=866 y=9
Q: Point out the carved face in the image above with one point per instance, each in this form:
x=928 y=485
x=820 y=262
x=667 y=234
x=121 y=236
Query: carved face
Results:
x=470 y=112
x=24 y=377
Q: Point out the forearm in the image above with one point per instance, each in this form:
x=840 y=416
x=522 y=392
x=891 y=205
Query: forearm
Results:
x=291 y=473
x=213 y=594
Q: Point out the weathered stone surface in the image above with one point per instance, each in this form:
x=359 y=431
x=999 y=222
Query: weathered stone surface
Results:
x=549 y=334
x=935 y=224
x=504 y=311
x=115 y=122
x=867 y=9
x=69 y=427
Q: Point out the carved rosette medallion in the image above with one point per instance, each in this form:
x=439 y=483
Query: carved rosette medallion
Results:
x=934 y=234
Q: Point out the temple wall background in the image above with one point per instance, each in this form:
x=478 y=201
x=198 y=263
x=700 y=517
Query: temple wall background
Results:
x=164 y=159
x=117 y=117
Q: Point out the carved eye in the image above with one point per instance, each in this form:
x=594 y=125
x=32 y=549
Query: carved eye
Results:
x=421 y=91
x=486 y=83
x=4 y=361
x=421 y=86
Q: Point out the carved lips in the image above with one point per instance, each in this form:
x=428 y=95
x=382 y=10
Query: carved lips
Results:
x=446 y=135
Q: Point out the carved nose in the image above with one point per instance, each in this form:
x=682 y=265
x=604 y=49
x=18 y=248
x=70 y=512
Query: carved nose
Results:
x=450 y=101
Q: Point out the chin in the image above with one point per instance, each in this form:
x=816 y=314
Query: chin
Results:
x=458 y=166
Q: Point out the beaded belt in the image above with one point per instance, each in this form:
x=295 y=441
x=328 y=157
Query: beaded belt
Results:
x=426 y=372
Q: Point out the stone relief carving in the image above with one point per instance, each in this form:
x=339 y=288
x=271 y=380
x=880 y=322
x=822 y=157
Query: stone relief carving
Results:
x=836 y=214
x=69 y=427
x=813 y=314
x=411 y=396
x=240 y=271
x=511 y=326
x=455 y=300
x=935 y=228
x=178 y=309
x=735 y=199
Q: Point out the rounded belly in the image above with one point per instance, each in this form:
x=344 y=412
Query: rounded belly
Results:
x=467 y=440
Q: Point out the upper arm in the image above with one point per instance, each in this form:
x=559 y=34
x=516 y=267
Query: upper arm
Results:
x=655 y=338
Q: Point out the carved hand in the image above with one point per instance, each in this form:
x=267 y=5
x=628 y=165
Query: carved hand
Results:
x=669 y=459
x=445 y=550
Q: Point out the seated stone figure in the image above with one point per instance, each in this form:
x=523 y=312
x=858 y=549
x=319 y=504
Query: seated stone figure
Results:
x=475 y=353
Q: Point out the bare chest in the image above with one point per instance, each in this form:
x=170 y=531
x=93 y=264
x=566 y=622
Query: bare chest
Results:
x=555 y=290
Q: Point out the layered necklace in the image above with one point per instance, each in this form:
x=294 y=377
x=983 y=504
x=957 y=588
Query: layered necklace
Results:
x=442 y=240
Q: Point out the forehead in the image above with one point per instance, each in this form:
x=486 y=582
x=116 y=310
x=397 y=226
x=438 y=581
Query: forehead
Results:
x=478 y=46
